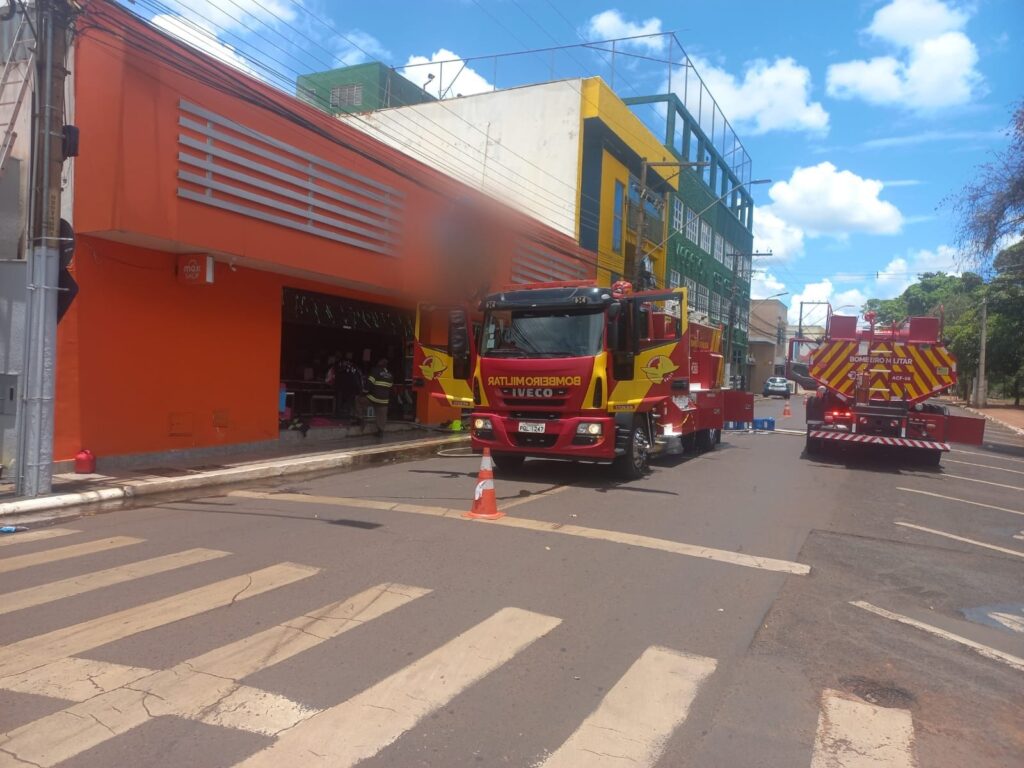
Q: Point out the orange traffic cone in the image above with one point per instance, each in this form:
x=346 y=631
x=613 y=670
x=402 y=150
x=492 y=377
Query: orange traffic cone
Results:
x=485 y=503
x=786 y=410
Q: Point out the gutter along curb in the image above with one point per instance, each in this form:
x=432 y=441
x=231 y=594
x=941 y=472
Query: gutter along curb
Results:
x=343 y=460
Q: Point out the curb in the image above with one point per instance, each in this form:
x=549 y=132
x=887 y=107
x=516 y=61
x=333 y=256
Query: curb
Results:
x=1010 y=427
x=343 y=460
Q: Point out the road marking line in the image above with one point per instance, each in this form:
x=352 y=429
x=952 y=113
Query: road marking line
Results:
x=26 y=536
x=855 y=734
x=962 y=501
x=9 y=564
x=1011 y=621
x=991 y=455
x=636 y=717
x=989 y=653
x=32 y=652
x=983 y=482
x=542 y=526
x=77 y=585
x=534 y=497
x=361 y=727
x=205 y=688
x=986 y=466
x=960 y=538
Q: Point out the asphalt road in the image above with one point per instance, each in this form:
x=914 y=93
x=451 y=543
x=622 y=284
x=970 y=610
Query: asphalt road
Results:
x=746 y=607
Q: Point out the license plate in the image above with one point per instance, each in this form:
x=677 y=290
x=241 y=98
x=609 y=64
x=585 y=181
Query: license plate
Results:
x=532 y=426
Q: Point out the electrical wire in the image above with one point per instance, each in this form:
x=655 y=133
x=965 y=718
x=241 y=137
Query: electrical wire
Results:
x=159 y=7
x=194 y=65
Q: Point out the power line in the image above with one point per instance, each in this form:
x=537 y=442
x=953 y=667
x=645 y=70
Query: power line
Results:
x=238 y=85
x=156 y=5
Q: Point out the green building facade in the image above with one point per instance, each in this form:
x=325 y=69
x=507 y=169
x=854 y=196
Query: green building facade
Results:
x=710 y=220
x=359 y=88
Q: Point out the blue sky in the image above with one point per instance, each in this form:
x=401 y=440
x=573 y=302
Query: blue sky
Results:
x=866 y=114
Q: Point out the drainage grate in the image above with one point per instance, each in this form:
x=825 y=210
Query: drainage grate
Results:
x=880 y=694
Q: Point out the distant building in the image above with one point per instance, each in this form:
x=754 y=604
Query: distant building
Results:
x=767 y=341
x=359 y=88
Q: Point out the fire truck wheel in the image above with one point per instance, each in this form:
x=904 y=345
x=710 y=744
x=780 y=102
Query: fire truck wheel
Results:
x=633 y=463
x=707 y=439
x=931 y=458
x=814 y=446
x=507 y=462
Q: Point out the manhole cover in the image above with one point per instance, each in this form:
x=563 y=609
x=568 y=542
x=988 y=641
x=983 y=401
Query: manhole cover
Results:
x=877 y=693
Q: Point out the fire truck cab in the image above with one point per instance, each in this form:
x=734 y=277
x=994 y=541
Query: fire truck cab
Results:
x=578 y=371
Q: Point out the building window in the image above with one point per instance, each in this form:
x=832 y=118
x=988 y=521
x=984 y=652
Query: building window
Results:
x=677 y=214
x=692 y=226
x=726 y=309
x=347 y=95
x=620 y=202
x=715 y=313
x=719 y=249
x=702 y=299
x=674 y=278
x=307 y=94
x=705 y=236
x=691 y=291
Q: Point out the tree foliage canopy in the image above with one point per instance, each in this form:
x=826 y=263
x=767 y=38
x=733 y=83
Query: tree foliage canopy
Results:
x=991 y=208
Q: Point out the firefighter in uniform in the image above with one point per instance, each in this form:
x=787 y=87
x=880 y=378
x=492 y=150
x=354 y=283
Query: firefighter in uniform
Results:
x=380 y=383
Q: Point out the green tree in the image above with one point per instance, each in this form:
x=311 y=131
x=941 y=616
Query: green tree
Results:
x=1006 y=330
x=991 y=208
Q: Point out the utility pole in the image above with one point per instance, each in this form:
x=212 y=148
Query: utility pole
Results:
x=637 y=272
x=982 y=397
x=35 y=439
x=638 y=258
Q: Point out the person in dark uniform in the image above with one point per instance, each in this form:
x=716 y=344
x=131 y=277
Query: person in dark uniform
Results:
x=348 y=385
x=380 y=383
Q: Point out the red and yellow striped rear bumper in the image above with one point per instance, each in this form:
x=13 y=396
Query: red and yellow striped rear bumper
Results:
x=897 y=442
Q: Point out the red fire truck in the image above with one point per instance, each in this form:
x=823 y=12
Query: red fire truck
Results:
x=579 y=371
x=875 y=386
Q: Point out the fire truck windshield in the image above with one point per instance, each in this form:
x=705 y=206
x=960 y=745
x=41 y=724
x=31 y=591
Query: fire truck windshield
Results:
x=542 y=333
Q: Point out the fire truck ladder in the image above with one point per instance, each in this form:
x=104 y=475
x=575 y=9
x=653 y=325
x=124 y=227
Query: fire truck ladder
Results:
x=13 y=86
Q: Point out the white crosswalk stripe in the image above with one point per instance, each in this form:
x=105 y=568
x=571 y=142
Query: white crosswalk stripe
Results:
x=78 y=585
x=855 y=734
x=639 y=713
x=205 y=688
x=29 y=536
x=365 y=724
x=17 y=562
x=632 y=724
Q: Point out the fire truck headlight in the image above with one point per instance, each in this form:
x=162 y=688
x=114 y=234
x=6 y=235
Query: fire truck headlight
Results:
x=591 y=428
x=482 y=425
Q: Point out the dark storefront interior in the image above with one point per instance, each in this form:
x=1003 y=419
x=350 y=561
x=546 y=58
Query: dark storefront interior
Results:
x=318 y=329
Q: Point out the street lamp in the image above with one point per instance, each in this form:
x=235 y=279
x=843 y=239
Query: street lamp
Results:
x=773 y=296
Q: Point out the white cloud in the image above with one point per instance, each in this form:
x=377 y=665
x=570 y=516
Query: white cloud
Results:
x=893 y=279
x=814 y=314
x=203 y=39
x=771 y=96
x=765 y=284
x=457 y=80
x=935 y=66
x=771 y=233
x=822 y=200
x=612 y=24
x=358 y=46
x=234 y=16
x=906 y=22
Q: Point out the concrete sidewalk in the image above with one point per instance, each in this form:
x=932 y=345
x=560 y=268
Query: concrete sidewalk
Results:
x=1009 y=416
x=72 y=490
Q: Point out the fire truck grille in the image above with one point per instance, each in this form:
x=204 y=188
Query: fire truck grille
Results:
x=534 y=401
x=535 y=415
x=533 y=441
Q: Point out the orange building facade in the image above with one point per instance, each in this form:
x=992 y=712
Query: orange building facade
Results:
x=222 y=224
